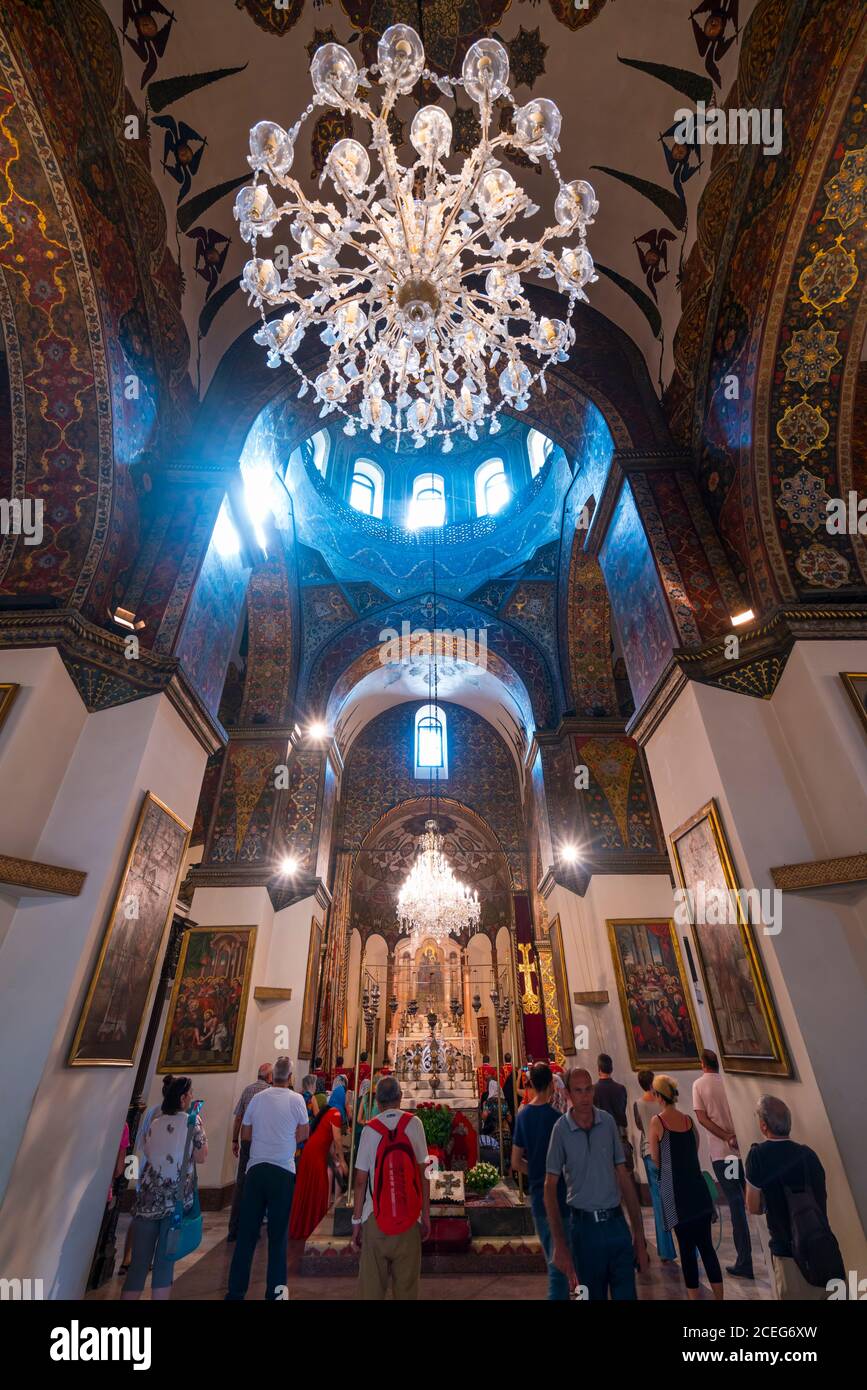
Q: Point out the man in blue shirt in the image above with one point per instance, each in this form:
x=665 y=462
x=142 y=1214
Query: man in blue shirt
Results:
x=529 y=1154
x=586 y=1150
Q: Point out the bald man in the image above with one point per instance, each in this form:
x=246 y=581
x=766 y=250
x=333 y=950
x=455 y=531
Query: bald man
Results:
x=597 y=1249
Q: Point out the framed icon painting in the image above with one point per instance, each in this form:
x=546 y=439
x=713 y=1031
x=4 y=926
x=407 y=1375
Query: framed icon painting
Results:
x=744 y=1018
x=205 y=1023
x=661 y=1027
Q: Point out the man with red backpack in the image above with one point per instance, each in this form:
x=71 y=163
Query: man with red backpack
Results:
x=391 y=1216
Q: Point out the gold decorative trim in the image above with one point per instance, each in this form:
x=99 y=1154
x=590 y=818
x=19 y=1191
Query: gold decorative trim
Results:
x=8 y=692
x=780 y=1064
x=820 y=873
x=266 y=992
x=848 y=678
x=40 y=878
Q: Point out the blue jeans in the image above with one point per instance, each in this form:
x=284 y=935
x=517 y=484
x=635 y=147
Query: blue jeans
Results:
x=664 y=1242
x=558 y=1284
x=604 y=1257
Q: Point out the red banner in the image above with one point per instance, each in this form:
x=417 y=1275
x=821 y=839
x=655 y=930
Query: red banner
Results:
x=529 y=980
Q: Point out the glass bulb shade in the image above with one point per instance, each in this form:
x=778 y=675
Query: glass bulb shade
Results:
x=261 y=279
x=350 y=321
x=351 y=162
x=417 y=305
x=486 y=70
x=537 y=126
x=497 y=192
x=282 y=335
x=501 y=284
x=376 y=411
x=314 y=245
x=270 y=148
x=330 y=385
x=431 y=133
x=552 y=334
x=514 y=379
x=334 y=74
x=255 y=211
x=577 y=198
x=576 y=268
x=400 y=55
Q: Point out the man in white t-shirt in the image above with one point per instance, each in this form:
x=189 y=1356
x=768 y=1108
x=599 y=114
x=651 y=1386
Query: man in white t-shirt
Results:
x=389 y=1258
x=275 y=1123
x=711 y=1108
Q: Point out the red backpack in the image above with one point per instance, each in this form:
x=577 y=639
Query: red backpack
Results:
x=396 y=1181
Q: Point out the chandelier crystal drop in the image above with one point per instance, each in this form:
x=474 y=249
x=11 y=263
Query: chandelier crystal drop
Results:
x=432 y=903
x=414 y=281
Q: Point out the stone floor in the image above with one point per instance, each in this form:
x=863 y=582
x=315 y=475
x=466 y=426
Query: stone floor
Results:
x=203 y=1275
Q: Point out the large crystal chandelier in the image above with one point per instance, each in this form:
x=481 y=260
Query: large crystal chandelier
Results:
x=432 y=902
x=415 y=280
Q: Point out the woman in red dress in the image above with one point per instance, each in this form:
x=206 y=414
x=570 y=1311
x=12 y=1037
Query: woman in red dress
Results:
x=312 y=1196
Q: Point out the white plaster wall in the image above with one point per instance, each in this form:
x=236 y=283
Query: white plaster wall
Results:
x=790 y=776
x=279 y=959
x=36 y=743
x=62 y=1125
x=590 y=966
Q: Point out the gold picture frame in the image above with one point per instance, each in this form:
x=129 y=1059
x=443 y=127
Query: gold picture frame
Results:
x=855 y=684
x=216 y=947
x=671 y=961
x=731 y=967
x=8 y=693
x=561 y=981
x=306 y=1038
x=120 y=990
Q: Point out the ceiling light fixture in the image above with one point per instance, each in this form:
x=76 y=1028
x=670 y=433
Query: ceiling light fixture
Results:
x=415 y=282
x=738 y=619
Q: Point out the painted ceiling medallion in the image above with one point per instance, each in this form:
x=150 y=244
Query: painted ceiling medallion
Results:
x=802 y=428
x=823 y=567
x=829 y=277
x=804 y=498
x=811 y=355
x=847 y=190
x=415 y=283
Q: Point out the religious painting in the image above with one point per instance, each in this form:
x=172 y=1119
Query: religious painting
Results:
x=661 y=1027
x=205 y=1023
x=7 y=698
x=561 y=982
x=117 y=999
x=854 y=681
x=311 y=987
x=744 y=1018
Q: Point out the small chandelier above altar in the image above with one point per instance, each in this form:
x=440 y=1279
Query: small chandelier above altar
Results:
x=432 y=903
x=415 y=281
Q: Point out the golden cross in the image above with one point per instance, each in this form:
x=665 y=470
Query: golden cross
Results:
x=525 y=969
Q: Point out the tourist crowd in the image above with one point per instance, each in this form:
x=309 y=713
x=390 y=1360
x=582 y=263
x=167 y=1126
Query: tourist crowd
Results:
x=568 y=1135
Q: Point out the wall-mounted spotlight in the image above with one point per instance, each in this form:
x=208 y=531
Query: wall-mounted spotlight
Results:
x=568 y=853
x=289 y=864
x=738 y=619
x=317 y=730
x=126 y=619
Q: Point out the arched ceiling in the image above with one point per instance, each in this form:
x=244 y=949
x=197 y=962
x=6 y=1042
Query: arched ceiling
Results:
x=588 y=59
x=460 y=682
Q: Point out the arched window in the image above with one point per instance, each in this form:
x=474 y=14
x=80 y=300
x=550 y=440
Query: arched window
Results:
x=539 y=447
x=365 y=494
x=431 y=743
x=428 y=505
x=321 y=442
x=492 y=487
